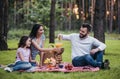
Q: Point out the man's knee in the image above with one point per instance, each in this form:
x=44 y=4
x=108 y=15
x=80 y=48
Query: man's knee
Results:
x=75 y=61
x=88 y=58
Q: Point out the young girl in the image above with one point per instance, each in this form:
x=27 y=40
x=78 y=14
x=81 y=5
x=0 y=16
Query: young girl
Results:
x=23 y=56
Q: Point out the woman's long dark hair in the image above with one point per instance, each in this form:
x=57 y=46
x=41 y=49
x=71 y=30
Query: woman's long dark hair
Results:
x=34 y=30
x=22 y=41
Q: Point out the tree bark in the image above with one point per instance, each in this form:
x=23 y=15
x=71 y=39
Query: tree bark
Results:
x=118 y=14
x=69 y=17
x=99 y=17
x=92 y=11
x=79 y=4
x=19 y=16
x=52 y=22
x=3 y=24
x=111 y=16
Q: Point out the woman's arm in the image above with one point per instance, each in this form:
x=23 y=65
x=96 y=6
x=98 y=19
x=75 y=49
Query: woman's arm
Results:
x=43 y=43
x=30 y=59
x=42 y=49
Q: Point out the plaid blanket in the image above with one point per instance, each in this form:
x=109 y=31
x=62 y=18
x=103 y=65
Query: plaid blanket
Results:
x=74 y=69
x=64 y=69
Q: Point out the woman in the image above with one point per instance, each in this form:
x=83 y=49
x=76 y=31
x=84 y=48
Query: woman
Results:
x=38 y=39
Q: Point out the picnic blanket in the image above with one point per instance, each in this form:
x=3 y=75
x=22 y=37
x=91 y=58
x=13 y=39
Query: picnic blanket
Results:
x=64 y=69
x=60 y=69
x=74 y=69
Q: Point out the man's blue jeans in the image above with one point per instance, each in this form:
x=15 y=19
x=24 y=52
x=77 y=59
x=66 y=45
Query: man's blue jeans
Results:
x=93 y=60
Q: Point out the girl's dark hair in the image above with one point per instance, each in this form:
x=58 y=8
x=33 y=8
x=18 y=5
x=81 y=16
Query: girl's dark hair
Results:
x=22 y=41
x=88 y=26
x=34 y=30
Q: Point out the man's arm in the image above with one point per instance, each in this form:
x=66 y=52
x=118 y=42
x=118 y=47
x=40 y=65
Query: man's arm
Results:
x=100 y=46
x=64 y=37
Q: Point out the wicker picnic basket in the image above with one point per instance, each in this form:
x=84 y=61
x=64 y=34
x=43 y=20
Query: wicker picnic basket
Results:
x=56 y=55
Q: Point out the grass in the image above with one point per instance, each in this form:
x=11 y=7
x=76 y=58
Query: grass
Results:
x=112 y=53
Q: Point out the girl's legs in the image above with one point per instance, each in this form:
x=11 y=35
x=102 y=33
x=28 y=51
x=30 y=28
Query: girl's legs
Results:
x=21 y=65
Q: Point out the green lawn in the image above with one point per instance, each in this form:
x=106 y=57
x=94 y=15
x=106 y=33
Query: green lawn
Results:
x=112 y=53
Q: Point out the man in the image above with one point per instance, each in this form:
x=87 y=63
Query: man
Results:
x=82 y=48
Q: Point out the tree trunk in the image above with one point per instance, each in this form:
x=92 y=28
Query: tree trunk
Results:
x=3 y=24
x=99 y=17
x=92 y=11
x=19 y=16
x=79 y=4
x=69 y=17
x=118 y=14
x=111 y=15
x=66 y=17
x=52 y=22
x=83 y=11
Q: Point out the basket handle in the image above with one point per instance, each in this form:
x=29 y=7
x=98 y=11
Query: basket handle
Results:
x=51 y=46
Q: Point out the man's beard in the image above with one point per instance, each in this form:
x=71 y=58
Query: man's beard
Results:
x=82 y=36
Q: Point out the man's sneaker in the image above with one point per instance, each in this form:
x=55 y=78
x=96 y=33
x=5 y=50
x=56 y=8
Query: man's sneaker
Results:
x=8 y=69
x=106 y=64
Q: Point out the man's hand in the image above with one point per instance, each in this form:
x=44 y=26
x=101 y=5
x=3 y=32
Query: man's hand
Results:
x=93 y=51
x=59 y=36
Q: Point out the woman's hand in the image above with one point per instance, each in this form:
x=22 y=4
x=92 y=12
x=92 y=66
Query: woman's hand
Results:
x=59 y=50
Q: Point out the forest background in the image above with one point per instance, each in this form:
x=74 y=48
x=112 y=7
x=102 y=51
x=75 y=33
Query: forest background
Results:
x=18 y=16
x=60 y=16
